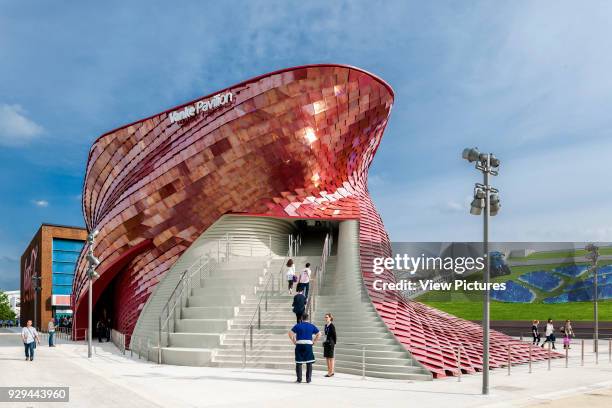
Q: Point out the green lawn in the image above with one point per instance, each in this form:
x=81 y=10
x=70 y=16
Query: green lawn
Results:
x=526 y=311
x=476 y=296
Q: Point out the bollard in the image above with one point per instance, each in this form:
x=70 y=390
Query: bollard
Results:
x=363 y=362
x=244 y=354
x=458 y=364
x=509 y=361
x=582 y=353
x=530 y=346
x=548 y=356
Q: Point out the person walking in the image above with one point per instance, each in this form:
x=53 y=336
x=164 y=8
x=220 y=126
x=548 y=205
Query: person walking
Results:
x=291 y=278
x=108 y=330
x=29 y=335
x=329 y=344
x=304 y=335
x=535 y=333
x=100 y=330
x=550 y=334
x=568 y=333
x=304 y=280
x=299 y=304
x=51 y=331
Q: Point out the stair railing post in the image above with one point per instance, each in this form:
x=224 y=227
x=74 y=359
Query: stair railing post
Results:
x=596 y=350
x=530 y=345
x=258 y=317
x=458 y=363
x=509 y=363
x=549 y=356
x=582 y=353
x=159 y=343
x=266 y=300
x=566 y=356
x=363 y=361
x=251 y=335
x=244 y=353
x=227 y=247
x=610 y=350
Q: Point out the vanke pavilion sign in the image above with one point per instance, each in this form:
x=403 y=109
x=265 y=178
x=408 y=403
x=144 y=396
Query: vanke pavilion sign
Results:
x=202 y=106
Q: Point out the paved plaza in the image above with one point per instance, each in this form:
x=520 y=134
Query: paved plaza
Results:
x=112 y=379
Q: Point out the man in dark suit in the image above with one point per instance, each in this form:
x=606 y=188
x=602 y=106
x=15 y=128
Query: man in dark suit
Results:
x=299 y=304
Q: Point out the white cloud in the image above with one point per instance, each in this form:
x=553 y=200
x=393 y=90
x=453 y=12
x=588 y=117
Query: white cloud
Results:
x=41 y=203
x=16 y=129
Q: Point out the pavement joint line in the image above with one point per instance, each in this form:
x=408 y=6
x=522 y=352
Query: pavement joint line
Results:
x=89 y=367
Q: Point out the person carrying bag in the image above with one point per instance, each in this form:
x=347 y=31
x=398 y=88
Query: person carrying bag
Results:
x=29 y=335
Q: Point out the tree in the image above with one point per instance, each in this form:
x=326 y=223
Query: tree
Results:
x=6 y=313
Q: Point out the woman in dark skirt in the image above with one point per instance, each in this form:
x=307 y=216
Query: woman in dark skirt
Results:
x=302 y=336
x=329 y=344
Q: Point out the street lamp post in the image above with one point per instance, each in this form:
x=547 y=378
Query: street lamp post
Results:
x=91 y=275
x=485 y=198
x=36 y=284
x=593 y=256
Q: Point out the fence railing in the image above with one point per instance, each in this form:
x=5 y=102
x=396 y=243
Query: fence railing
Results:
x=318 y=276
x=178 y=298
x=269 y=287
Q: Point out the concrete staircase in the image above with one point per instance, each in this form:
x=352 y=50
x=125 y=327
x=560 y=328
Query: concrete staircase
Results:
x=209 y=311
x=357 y=323
x=214 y=323
x=271 y=346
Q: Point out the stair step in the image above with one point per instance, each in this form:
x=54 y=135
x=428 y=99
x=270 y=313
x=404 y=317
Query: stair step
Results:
x=215 y=300
x=194 y=340
x=201 y=325
x=210 y=312
x=183 y=356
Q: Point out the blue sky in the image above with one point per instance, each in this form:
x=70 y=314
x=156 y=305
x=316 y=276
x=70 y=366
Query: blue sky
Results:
x=528 y=80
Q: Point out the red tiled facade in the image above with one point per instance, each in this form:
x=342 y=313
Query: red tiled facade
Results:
x=293 y=143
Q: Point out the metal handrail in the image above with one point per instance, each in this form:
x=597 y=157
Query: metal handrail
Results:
x=184 y=284
x=319 y=275
x=171 y=307
x=270 y=281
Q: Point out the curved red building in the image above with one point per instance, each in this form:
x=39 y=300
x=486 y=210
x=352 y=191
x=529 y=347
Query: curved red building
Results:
x=295 y=143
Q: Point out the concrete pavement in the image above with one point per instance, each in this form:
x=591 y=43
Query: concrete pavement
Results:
x=111 y=379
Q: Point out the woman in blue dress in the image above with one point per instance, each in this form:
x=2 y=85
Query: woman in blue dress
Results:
x=304 y=335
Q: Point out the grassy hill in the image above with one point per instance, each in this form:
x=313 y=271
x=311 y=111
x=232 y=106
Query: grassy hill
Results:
x=468 y=304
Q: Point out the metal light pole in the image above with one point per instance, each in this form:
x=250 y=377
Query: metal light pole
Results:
x=91 y=274
x=485 y=198
x=593 y=256
x=36 y=284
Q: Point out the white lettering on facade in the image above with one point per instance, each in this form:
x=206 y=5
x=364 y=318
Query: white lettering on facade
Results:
x=202 y=106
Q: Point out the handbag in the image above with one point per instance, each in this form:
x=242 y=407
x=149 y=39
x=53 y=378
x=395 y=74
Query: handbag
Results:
x=294 y=278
